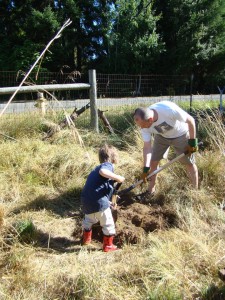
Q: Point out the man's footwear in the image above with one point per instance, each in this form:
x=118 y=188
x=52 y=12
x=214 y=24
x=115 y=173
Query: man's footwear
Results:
x=87 y=234
x=108 y=245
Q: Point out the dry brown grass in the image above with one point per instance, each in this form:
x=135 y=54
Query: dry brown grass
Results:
x=41 y=181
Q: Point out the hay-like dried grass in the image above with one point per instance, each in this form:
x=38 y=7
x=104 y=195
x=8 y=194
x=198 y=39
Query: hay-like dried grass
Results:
x=41 y=181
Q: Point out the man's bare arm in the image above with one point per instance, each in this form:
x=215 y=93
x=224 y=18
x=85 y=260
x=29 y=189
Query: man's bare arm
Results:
x=147 y=153
x=191 y=126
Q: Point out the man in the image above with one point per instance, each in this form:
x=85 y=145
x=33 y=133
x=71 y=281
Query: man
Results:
x=172 y=126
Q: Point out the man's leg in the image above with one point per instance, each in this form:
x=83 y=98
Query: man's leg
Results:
x=160 y=147
x=180 y=144
x=192 y=172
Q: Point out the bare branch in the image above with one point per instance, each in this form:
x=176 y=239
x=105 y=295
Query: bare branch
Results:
x=67 y=23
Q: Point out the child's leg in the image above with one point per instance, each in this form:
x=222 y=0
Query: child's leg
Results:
x=89 y=220
x=107 y=222
x=108 y=228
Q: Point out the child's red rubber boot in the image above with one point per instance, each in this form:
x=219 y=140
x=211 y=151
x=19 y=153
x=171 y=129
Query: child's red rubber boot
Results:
x=87 y=234
x=108 y=245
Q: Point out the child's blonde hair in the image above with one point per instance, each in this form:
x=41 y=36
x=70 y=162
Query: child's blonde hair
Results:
x=107 y=153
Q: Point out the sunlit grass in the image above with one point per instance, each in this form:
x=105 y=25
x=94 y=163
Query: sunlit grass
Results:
x=40 y=181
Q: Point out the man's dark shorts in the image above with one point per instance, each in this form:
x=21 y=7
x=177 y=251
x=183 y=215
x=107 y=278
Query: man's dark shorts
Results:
x=161 y=144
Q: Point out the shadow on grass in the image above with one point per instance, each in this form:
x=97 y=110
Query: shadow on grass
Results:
x=60 y=244
x=46 y=242
x=66 y=204
x=214 y=293
x=60 y=205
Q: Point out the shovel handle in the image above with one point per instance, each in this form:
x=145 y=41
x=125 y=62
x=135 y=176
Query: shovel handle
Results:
x=115 y=194
x=118 y=185
x=156 y=171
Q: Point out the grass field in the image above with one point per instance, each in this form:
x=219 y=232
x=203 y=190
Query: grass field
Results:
x=40 y=184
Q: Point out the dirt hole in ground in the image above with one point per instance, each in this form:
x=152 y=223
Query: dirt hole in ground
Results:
x=136 y=217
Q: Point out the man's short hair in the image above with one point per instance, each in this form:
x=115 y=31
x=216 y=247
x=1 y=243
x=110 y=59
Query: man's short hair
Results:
x=143 y=112
x=107 y=153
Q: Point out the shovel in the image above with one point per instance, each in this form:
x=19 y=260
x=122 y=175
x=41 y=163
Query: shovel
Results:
x=139 y=182
x=115 y=195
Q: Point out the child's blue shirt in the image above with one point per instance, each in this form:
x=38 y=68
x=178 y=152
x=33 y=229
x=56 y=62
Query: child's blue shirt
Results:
x=97 y=191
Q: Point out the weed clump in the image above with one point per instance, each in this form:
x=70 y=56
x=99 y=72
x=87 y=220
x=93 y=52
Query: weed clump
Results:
x=26 y=230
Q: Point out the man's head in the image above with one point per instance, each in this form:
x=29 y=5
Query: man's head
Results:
x=108 y=153
x=144 y=117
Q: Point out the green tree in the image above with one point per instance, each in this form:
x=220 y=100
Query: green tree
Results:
x=194 y=36
x=29 y=25
x=95 y=19
x=134 y=43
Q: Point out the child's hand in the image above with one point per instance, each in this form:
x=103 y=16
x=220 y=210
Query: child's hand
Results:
x=113 y=205
x=120 y=179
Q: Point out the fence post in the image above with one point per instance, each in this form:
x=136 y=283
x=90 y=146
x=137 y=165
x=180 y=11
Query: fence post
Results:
x=41 y=103
x=93 y=100
x=221 y=90
x=191 y=95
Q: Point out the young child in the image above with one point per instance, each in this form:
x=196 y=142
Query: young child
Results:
x=96 y=195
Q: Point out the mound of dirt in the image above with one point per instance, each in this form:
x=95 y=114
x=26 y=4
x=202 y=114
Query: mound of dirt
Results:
x=137 y=219
x=134 y=219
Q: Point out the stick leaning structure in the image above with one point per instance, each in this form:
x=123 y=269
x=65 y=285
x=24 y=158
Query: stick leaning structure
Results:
x=58 y=35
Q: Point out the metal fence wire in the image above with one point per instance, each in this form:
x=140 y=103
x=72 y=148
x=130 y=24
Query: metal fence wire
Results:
x=12 y=78
x=114 y=91
x=118 y=85
x=113 y=85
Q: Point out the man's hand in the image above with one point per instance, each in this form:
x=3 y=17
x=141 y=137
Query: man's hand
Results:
x=192 y=145
x=145 y=174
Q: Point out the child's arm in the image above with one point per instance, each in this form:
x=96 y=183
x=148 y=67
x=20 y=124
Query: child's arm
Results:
x=110 y=175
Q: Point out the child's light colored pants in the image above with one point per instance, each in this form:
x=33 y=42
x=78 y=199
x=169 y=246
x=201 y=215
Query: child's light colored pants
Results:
x=104 y=217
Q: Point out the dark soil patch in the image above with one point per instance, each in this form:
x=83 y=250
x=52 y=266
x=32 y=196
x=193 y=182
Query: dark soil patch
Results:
x=134 y=219
x=137 y=219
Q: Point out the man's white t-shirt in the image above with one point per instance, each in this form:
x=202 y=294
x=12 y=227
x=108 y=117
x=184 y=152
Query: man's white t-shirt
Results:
x=171 y=121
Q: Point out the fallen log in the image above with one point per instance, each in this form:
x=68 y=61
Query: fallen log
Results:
x=75 y=114
x=105 y=121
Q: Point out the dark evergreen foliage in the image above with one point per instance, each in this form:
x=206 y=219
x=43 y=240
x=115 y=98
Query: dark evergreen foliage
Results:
x=117 y=36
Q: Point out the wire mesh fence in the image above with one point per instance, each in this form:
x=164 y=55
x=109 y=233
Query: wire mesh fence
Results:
x=12 y=78
x=116 y=92
x=119 y=85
